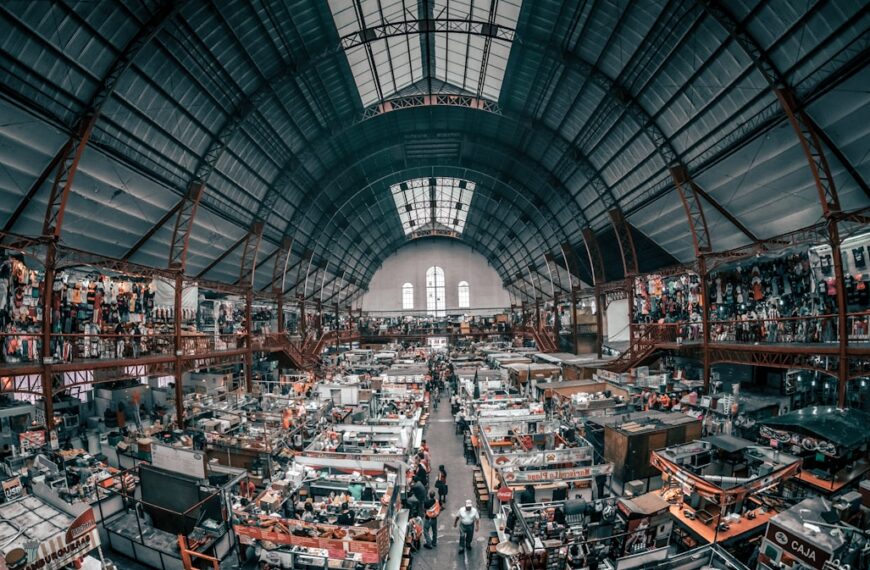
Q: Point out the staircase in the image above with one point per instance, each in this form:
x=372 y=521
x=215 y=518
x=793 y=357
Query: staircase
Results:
x=305 y=354
x=544 y=339
x=644 y=344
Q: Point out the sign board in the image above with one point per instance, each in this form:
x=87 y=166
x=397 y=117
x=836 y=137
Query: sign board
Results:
x=542 y=458
x=505 y=494
x=62 y=549
x=185 y=461
x=796 y=546
x=570 y=474
x=12 y=488
x=31 y=440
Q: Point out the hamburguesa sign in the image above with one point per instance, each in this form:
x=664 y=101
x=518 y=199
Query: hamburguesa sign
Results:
x=60 y=550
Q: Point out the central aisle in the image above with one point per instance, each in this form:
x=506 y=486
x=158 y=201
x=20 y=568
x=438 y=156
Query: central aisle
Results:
x=446 y=449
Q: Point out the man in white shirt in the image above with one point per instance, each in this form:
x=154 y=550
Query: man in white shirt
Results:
x=468 y=520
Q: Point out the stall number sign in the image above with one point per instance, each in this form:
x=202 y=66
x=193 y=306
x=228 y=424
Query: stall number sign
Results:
x=797 y=546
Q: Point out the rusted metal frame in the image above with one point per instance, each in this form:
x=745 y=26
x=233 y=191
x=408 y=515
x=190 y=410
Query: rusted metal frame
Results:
x=320 y=222
x=771 y=73
x=67 y=166
x=75 y=147
x=248 y=264
x=596 y=261
x=625 y=241
x=68 y=257
x=620 y=96
x=691 y=199
x=689 y=196
x=407 y=27
x=823 y=178
x=323 y=280
x=179 y=350
x=830 y=201
x=222 y=256
x=279 y=272
x=40 y=180
x=184 y=226
x=249 y=353
x=25 y=383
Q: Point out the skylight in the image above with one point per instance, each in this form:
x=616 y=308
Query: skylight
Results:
x=432 y=204
x=393 y=46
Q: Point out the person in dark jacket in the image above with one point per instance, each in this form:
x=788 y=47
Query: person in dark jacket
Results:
x=527 y=496
x=418 y=490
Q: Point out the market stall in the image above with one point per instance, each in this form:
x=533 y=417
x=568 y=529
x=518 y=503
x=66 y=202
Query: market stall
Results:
x=715 y=487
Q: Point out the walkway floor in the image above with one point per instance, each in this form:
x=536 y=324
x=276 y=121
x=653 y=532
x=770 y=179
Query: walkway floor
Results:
x=446 y=449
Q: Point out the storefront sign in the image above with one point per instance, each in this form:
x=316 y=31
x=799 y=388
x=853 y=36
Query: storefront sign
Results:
x=797 y=546
x=541 y=458
x=570 y=474
x=60 y=550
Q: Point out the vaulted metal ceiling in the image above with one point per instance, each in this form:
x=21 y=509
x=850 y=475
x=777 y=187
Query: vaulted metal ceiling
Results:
x=557 y=111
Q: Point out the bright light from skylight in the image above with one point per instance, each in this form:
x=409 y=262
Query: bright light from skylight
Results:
x=427 y=204
x=386 y=45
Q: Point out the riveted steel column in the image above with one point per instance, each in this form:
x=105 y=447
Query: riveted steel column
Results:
x=179 y=348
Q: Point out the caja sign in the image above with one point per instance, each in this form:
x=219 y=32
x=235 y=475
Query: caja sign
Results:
x=797 y=546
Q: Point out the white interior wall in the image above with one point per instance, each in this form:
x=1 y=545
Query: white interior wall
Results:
x=617 y=321
x=459 y=262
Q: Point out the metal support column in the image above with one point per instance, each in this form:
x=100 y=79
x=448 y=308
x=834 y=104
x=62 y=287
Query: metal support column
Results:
x=556 y=323
x=337 y=330
x=705 y=321
x=249 y=353
x=303 y=324
x=574 y=321
x=599 y=320
x=179 y=348
x=319 y=323
x=823 y=178
x=279 y=324
x=690 y=196
x=47 y=359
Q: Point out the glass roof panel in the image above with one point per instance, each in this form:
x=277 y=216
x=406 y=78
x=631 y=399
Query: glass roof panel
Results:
x=386 y=52
x=433 y=203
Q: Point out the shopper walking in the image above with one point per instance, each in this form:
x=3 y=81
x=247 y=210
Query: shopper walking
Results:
x=430 y=521
x=468 y=520
x=441 y=485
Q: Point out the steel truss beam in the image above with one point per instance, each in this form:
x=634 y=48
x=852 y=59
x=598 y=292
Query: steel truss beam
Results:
x=626 y=243
x=279 y=269
x=691 y=199
x=807 y=134
x=71 y=152
x=618 y=96
x=248 y=264
x=596 y=261
x=427 y=26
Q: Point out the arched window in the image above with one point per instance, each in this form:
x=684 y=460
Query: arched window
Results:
x=407 y=296
x=464 y=295
x=436 y=303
